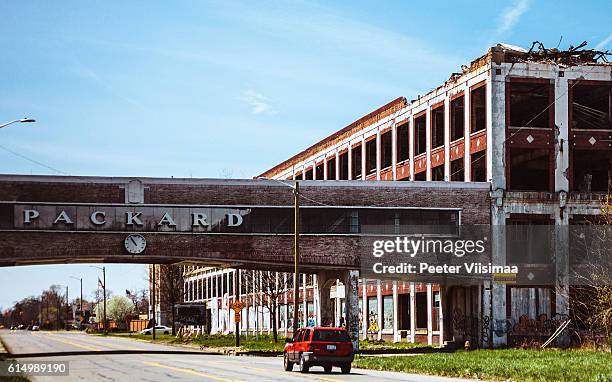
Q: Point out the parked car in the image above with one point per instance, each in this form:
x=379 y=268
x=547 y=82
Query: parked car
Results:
x=159 y=329
x=319 y=346
x=35 y=328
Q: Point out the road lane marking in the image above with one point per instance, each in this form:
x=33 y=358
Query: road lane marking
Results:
x=91 y=348
x=105 y=342
x=266 y=370
x=188 y=371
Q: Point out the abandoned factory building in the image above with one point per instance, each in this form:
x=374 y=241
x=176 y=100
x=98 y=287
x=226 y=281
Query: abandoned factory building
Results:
x=533 y=124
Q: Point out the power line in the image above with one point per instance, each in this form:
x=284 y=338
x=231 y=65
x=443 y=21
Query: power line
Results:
x=33 y=161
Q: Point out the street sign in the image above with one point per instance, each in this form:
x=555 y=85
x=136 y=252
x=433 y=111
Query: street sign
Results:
x=237 y=318
x=237 y=306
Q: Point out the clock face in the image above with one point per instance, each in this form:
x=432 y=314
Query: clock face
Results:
x=135 y=243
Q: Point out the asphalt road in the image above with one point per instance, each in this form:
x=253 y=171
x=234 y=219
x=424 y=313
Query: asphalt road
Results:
x=94 y=358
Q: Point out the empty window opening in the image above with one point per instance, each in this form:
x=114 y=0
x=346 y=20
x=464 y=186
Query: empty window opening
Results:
x=529 y=104
x=386 y=149
x=422 y=176
x=308 y=174
x=331 y=169
x=421 y=138
x=457 y=118
x=371 y=156
x=344 y=166
x=530 y=170
x=356 y=165
x=592 y=107
x=437 y=173
x=478 y=167
x=319 y=171
x=437 y=127
x=421 y=310
x=592 y=170
x=478 y=109
x=298 y=176
x=457 y=170
x=401 y=143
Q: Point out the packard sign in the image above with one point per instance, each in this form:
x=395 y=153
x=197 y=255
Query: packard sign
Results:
x=141 y=218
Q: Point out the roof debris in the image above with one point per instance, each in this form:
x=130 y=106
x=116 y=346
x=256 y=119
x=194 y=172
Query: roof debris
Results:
x=539 y=53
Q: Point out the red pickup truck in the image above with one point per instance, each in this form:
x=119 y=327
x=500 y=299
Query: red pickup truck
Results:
x=319 y=346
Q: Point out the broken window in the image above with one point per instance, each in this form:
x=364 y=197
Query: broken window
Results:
x=530 y=169
x=437 y=127
x=478 y=109
x=529 y=104
x=370 y=156
x=331 y=169
x=478 y=167
x=592 y=107
x=457 y=173
x=420 y=176
x=386 y=149
x=457 y=118
x=401 y=143
x=319 y=171
x=298 y=176
x=344 y=166
x=308 y=174
x=356 y=165
x=437 y=173
x=592 y=170
x=419 y=132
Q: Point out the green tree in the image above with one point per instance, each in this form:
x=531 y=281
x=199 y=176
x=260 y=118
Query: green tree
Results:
x=118 y=309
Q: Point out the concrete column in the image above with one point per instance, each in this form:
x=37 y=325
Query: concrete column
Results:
x=378 y=154
x=428 y=141
x=316 y=299
x=379 y=309
x=466 y=131
x=285 y=323
x=429 y=315
x=325 y=280
x=337 y=167
x=304 y=301
x=396 y=336
x=351 y=293
x=364 y=308
x=562 y=263
x=338 y=311
x=486 y=313
x=441 y=314
x=411 y=146
x=412 y=313
x=498 y=290
x=447 y=172
x=562 y=125
x=496 y=131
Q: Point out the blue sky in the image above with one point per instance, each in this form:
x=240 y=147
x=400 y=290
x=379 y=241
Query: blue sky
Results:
x=228 y=89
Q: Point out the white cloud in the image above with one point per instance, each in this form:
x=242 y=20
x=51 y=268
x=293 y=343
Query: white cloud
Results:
x=259 y=103
x=510 y=16
x=604 y=43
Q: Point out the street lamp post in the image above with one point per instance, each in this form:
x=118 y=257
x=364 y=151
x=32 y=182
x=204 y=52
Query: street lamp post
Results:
x=103 y=294
x=22 y=120
x=81 y=298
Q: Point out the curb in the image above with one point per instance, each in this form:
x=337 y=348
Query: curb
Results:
x=4 y=351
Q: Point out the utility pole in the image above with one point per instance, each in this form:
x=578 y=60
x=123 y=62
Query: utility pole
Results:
x=67 y=302
x=296 y=257
x=104 y=292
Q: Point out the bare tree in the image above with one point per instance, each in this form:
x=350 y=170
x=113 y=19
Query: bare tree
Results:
x=269 y=286
x=171 y=288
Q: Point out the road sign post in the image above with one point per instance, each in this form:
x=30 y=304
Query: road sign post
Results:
x=237 y=307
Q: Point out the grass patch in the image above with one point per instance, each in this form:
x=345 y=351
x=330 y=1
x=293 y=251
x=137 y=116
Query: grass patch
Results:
x=512 y=364
x=384 y=345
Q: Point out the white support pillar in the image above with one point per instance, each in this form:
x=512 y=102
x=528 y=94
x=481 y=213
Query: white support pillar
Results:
x=364 y=308
x=447 y=166
x=285 y=323
x=396 y=335
x=562 y=145
x=394 y=151
x=363 y=158
x=337 y=165
x=412 y=313
x=429 y=316
x=378 y=154
x=338 y=305
x=325 y=167
x=379 y=309
x=350 y=161
x=441 y=314
x=428 y=142
x=315 y=301
x=411 y=146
